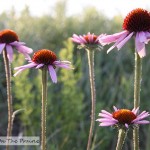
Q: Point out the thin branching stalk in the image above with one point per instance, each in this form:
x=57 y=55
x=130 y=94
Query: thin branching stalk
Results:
x=9 y=96
x=43 y=109
x=93 y=95
x=137 y=89
x=121 y=138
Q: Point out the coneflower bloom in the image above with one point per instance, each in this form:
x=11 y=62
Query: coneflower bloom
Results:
x=136 y=23
x=9 y=40
x=88 y=41
x=123 y=117
x=43 y=58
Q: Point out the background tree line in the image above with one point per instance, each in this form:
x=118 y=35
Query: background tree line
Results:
x=69 y=100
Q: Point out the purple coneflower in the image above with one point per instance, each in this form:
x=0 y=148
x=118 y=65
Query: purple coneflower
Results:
x=9 y=40
x=123 y=117
x=136 y=23
x=89 y=41
x=43 y=58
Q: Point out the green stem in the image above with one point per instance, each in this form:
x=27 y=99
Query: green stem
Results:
x=43 y=109
x=93 y=94
x=137 y=88
x=9 y=96
x=121 y=138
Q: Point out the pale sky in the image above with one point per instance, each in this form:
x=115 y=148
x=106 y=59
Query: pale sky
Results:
x=109 y=7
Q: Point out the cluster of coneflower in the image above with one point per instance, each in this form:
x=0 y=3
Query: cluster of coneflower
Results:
x=136 y=24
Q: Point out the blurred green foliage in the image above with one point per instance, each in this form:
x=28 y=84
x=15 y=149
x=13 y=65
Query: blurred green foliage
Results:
x=69 y=104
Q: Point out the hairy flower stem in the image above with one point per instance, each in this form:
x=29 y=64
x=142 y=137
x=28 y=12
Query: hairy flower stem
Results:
x=137 y=88
x=43 y=110
x=9 y=96
x=121 y=138
x=93 y=94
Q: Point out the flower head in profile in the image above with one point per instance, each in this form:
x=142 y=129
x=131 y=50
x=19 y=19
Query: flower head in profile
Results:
x=43 y=58
x=9 y=40
x=123 y=118
x=136 y=23
x=88 y=41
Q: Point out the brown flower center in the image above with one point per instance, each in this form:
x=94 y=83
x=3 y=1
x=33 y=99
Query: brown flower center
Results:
x=7 y=36
x=86 y=37
x=124 y=116
x=137 y=20
x=44 y=56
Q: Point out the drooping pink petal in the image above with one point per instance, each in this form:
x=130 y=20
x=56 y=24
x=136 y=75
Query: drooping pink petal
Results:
x=30 y=65
x=27 y=57
x=18 y=72
x=119 y=46
x=107 y=39
x=142 y=36
x=9 y=50
x=52 y=73
x=2 y=45
x=140 y=46
x=24 y=49
x=147 y=34
x=16 y=43
x=39 y=66
x=119 y=40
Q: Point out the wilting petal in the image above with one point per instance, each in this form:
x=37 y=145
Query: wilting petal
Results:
x=119 y=40
x=147 y=34
x=52 y=73
x=39 y=66
x=119 y=46
x=140 y=46
x=107 y=39
x=9 y=50
x=27 y=57
x=18 y=72
x=142 y=36
x=16 y=43
x=24 y=49
x=2 y=45
x=30 y=65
